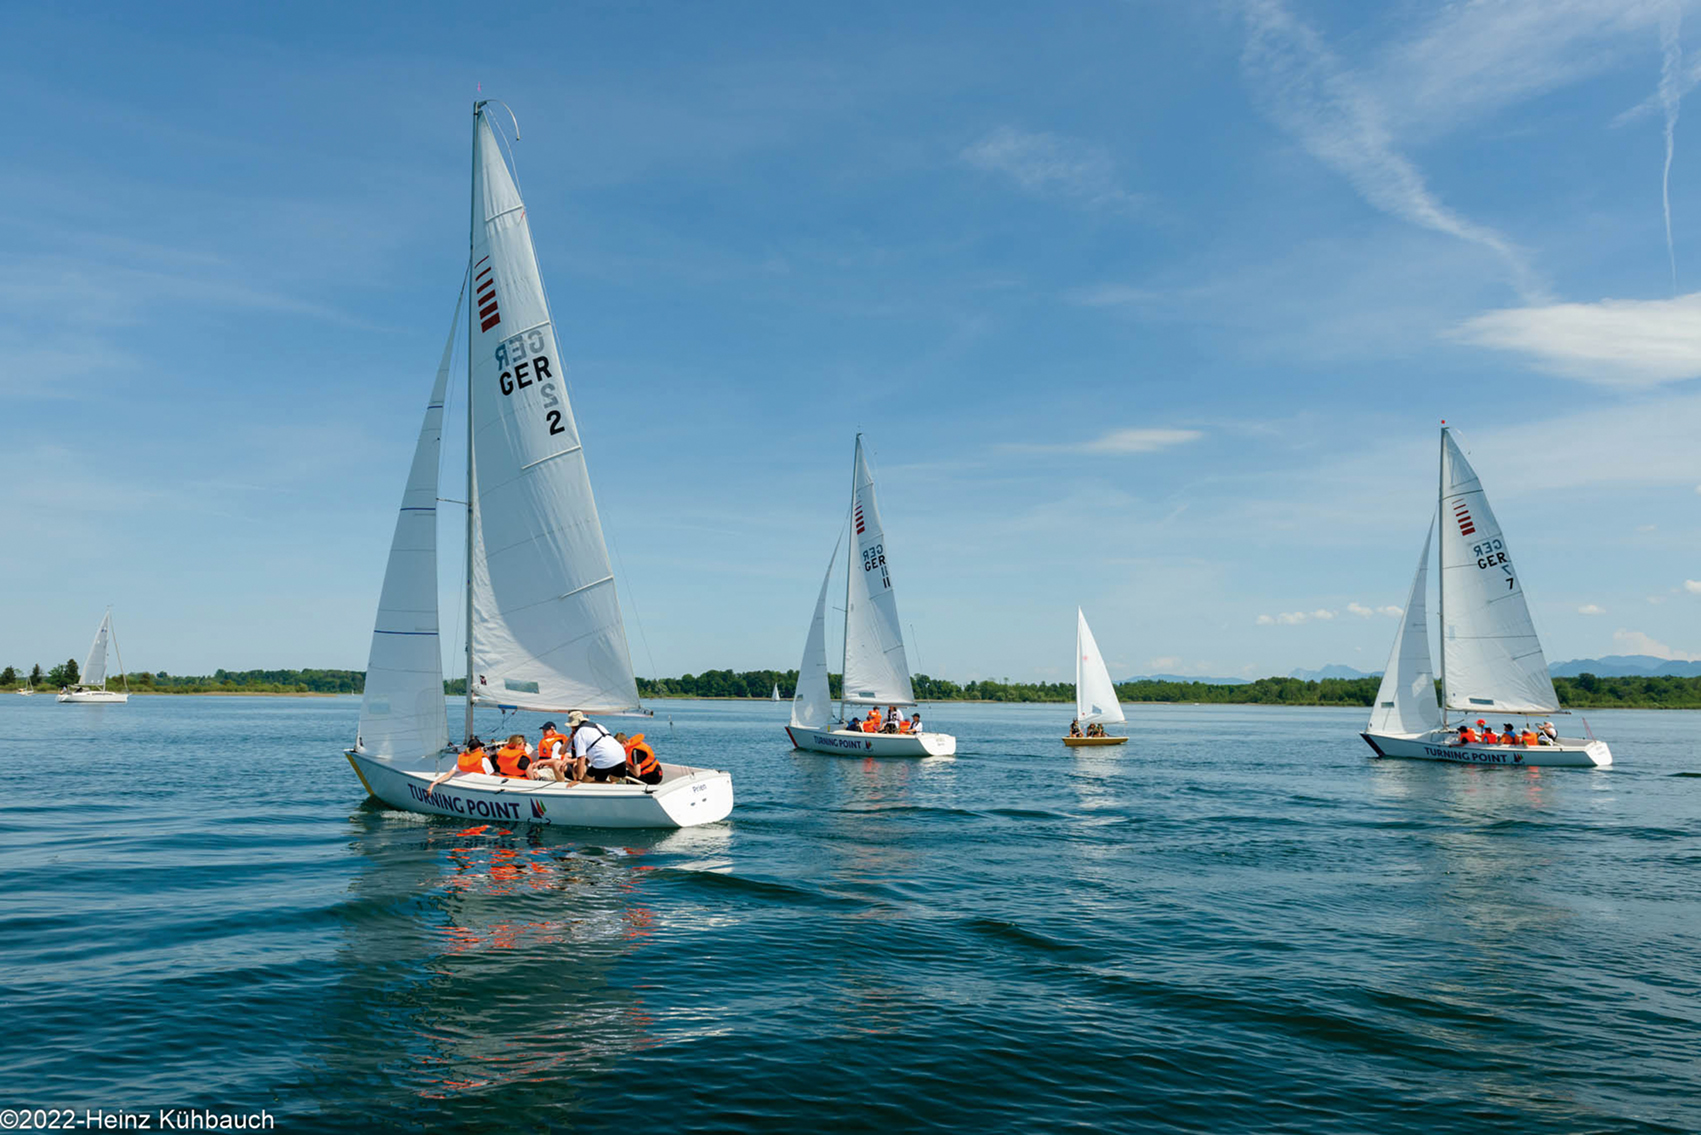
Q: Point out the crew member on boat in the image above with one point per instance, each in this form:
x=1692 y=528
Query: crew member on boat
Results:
x=553 y=754
x=892 y=719
x=597 y=756
x=471 y=759
x=915 y=722
x=871 y=723
x=641 y=763
x=1075 y=728
x=1547 y=735
x=1467 y=735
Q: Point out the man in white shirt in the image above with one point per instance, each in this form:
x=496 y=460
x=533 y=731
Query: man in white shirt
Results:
x=596 y=754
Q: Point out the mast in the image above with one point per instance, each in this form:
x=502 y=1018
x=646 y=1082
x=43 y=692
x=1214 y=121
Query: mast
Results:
x=850 y=555
x=472 y=500
x=113 y=631
x=1441 y=575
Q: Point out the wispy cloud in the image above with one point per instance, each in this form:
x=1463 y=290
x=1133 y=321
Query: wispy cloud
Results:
x=1364 y=612
x=1693 y=586
x=1312 y=95
x=1623 y=343
x=1050 y=165
x=1671 y=96
x=1591 y=609
x=1119 y=442
x=1295 y=618
x=1635 y=642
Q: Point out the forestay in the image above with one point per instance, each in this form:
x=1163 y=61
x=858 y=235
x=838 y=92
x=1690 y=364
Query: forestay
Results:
x=1095 y=695
x=94 y=667
x=1405 y=702
x=812 y=701
x=876 y=671
x=1490 y=654
x=402 y=713
x=547 y=632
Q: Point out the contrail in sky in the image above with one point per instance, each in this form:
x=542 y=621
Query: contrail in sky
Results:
x=1671 y=94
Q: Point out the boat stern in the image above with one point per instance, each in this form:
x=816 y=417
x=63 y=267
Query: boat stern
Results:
x=703 y=796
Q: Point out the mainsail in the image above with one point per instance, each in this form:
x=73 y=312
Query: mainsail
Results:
x=812 y=701
x=1405 y=702
x=876 y=671
x=1490 y=656
x=94 y=668
x=402 y=712
x=1095 y=695
x=547 y=633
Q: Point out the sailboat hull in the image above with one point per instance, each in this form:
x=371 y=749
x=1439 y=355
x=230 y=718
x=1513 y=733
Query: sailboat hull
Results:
x=1090 y=742
x=853 y=743
x=1569 y=753
x=93 y=697
x=687 y=797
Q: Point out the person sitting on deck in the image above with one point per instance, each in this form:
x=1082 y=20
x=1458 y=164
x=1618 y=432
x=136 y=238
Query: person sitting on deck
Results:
x=1527 y=737
x=597 y=755
x=553 y=757
x=1508 y=735
x=1547 y=735
x=871 y=723
x=471 y=759
x=1075 y=728
x=892 y=720
x=1489 y=736
x=641 y=763
x=514 y=758
x=1467 y=735
x=915 y=722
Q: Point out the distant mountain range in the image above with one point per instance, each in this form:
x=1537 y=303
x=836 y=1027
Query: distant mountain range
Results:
x=1331 y=672
x=1188 y=678
x=1625 y=666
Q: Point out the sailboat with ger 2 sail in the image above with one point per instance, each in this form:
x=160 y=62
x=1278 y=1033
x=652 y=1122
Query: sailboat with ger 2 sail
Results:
x=876 y=671
x=1491 y=660
x=544 y=631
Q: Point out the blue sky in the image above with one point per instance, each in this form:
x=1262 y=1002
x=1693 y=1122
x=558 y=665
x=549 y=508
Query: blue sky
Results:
x=1147 y=307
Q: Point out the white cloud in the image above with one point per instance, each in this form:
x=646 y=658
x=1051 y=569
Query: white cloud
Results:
x=1295 y=618
x=1590 y=609
x=1392 y=612
x=1625 y=343
x=1315 y=97
x=1123 y=441
x=1360 y=610
x=1635 y=642
x=1693 y=586
x=1050 y=165
x=1167 y=664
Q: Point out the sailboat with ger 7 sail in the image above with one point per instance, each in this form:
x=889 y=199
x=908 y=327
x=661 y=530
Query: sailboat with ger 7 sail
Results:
x=1491 y=660
x=544 y=632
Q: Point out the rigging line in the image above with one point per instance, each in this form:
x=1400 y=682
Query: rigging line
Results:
x=632 y=596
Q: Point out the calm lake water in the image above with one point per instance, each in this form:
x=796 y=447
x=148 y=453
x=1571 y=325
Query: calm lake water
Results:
x=1238 y=922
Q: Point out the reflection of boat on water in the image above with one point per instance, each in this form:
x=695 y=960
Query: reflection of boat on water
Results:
x=92 y=689
x=544 y=631
x=876 y=672
x=1095 y=694
x=1491 y=660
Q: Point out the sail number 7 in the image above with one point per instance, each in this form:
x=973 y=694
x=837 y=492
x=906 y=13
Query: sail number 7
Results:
x=1490 y=554
x=524 y=364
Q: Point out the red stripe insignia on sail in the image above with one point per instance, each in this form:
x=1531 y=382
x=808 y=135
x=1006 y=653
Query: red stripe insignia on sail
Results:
x=1463 y=516
x=859 y=520
x=484 y=284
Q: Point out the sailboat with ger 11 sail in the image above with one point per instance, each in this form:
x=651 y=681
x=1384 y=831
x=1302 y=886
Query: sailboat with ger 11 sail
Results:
x=876 y=672
x=544 y=632
x=1491 y=660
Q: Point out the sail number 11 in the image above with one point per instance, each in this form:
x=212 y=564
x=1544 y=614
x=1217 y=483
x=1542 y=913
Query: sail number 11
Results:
x=523 y=367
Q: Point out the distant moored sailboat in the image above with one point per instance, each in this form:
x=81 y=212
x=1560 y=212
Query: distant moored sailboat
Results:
x=91 y=689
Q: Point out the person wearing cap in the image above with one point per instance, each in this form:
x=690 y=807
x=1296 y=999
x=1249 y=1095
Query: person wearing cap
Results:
x=596 y=754
x=552 y=758
x=473 y=758
x=1547 y=734
x=1467 y=735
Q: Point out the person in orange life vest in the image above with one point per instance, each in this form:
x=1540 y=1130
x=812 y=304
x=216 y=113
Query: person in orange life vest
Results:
x=553 y=754
x=641 y=763
x=472 y=759
x=1508 y=735
x=514 y=757
x=1528 y=737
x=871 y=723
x=1489 y=736
x=1467 y=735
x=596 y=754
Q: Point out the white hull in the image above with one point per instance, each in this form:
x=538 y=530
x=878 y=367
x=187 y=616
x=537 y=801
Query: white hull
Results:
x=26 y=693
x=95 y=697
x=855 y=743
x=1571 y=752
x=685 y=798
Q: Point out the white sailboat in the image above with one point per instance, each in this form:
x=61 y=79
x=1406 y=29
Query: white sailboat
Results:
x=1491 y=660
x=91 y=690
x=544 y=632
x=1095 y=693
x=876 y=673
x=776 y=696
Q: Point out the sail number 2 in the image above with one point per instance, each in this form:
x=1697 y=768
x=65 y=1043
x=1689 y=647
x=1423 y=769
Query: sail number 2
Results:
x=1491 y=553
x=524 y=364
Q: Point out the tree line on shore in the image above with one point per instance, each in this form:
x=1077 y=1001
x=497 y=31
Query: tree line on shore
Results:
x=1586 y=691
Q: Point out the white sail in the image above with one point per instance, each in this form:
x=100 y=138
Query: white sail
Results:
x=1405 y=702
x=876 y=671
x=776 y=691
x=812 y=701
x=1491 y=657
x=1095 y=695
x=94 y=668
x=547 y=633
x=402 y=712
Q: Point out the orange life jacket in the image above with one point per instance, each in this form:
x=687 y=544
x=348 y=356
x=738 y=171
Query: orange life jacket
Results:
x=511 y=761
x=1467 y=736
x=1528 y=738
x=641 y=757
x=1490 y=737
x=549 y=739
x=869 y=725
x=472 y=760
x=1508 y=738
